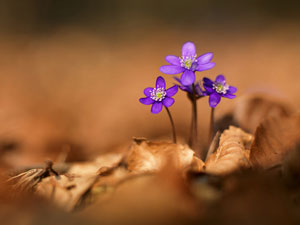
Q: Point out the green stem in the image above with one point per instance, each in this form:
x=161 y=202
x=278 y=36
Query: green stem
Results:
x=173 y=126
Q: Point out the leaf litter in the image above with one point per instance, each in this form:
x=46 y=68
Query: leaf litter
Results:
x=165 y=183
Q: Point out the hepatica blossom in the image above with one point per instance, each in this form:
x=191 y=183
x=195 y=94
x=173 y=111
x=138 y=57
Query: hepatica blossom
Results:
x=188 y=63
x=217 y=89
x=189 y=88
x=159 y=96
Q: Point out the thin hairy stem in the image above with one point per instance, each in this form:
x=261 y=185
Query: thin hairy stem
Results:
x=211 y=125
x=172 y=125
x=191 y=136
x=194 y=125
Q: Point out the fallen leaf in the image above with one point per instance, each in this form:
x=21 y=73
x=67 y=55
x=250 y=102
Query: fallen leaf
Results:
x=108 y=160
x=65 y=191
x=145 y=199
x=274 y=139
x=104 y=188
x=232 y=153
x=213 y=145
x=146 y=156
x=251 y=110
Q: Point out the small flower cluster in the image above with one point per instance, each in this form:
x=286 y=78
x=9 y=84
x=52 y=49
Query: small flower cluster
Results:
x=187 y=64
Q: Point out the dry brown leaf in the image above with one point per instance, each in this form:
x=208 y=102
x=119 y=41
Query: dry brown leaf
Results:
x=251 y=110
x=65 y=191
x=232 y=152
x=108 y=160
x=213 y=145
x=274 y=139
x=104 y=188
x=146 y=156
x=113 y=178
x=145 y=199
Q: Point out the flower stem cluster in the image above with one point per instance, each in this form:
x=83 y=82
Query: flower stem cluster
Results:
x=186 y=65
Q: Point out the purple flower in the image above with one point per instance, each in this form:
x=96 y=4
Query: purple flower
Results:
x=189 y=89
x=218 y=89
x=188 y=63
x=159 y=96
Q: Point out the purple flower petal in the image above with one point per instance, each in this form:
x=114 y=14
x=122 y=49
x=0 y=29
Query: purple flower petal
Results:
x=172 y=91
x=207 y=82
x=208 y=90
x=160 y=82
x=187 y=78
x=168 y=102
x=205 y=58
x=178 y=80
x=220 y=79
x=184 y=88
x=146 y=101
x=214 y=100
x=147 y=91
x=230 y=96
x=208 y=85
x=170 y=69
x=232 y=90
x=189 y=49
x=173 y=59
x=156 y=107
x=207 y=66
x=199 y=91
x=194 y=66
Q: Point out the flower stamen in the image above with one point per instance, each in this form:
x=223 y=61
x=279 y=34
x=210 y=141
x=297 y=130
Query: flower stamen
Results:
x=220 y=88
x=187 y=61
x=158 y=94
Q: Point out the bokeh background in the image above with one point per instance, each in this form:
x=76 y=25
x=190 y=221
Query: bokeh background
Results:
x=71 y=72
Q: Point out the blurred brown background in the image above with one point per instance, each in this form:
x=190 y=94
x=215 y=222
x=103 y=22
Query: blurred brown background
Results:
x=71 y=72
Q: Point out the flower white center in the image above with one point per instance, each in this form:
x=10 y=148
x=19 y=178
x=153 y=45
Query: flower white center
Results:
x=220 y=88
x=158 y=94
x=187 y=61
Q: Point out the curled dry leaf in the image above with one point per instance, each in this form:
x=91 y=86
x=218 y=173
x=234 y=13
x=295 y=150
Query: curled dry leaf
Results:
x=274 y=139
x=145 y=156
x=232 y=153
x=108 y=160
x=251 y=110
x=213 y=145
x=112 y=179
x=65 y=191
x=68 y=191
